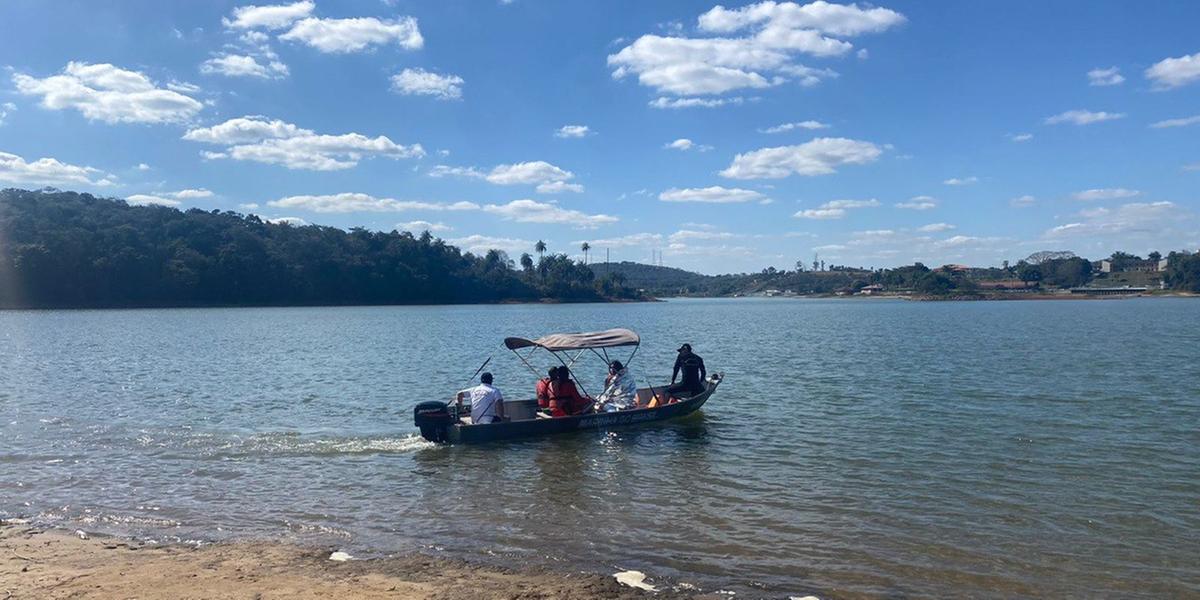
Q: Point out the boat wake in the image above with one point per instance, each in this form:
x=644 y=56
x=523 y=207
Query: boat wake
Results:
x=210 y=445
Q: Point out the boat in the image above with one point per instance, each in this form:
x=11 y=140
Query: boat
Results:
x=450 y=423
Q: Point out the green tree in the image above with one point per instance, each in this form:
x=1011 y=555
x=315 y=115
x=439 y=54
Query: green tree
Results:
x=585 y=247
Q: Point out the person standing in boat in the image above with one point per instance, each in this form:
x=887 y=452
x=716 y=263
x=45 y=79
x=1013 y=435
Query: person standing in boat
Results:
x=692 y=367
x=487 y=403
x=542 y=389
x=620 y=388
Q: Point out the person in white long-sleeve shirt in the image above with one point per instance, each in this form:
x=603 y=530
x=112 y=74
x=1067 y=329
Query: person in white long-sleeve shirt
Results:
x=487 y=403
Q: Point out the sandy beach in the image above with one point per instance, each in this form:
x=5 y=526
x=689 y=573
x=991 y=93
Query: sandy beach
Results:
x=38 y=563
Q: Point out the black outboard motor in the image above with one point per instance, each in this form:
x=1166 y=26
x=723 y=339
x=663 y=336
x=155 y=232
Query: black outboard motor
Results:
x=434 y=420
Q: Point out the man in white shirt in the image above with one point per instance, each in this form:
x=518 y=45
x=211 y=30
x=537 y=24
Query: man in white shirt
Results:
x=487 y=404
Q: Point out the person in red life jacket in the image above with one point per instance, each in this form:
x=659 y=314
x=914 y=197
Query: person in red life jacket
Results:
x=565 y=399
x=542 y=391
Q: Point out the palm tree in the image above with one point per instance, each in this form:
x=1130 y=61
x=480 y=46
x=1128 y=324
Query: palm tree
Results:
x=585 y=247
x=526 y=262
x=540 y=248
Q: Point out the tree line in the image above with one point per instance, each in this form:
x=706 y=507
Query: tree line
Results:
x=65 y=249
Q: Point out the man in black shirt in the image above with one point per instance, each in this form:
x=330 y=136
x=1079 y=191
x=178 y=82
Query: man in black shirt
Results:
x=694 y=373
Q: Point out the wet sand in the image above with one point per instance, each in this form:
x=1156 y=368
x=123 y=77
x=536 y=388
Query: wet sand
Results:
x=37 y=563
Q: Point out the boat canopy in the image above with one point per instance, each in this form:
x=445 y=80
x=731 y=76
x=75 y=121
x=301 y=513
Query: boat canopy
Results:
x=556 y=342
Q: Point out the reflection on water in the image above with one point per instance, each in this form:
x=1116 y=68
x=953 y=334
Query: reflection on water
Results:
x=871 y=448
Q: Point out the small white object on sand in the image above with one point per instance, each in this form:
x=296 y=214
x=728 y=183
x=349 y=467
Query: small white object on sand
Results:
x=634 y=579
x=340 y=556
x=803 y=598
x=82 y=534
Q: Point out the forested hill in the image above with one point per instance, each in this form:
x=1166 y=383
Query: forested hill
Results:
x=63 y=249
x=651 y=277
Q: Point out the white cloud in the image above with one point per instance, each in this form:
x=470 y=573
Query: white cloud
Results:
x=355 y=35
x=693 y=102
x=935 y=227
x=48 y=171
x=961 y=180
x=1182 y=122
x=423 y=226
x=1083 y=117
x=5 y=109
x=557 y=187
x=761 y=52
x=192 y=194
x=248 y=206
x=1175 y=72
x=289 y=221
x=355 y=202
x=143 y=167
x=1020 y=137
x=1023 y=201
x=573 y=131
x=1139 y=220
x=480 y=244
x=277 y=16
x=103 y=92
x=549 y=178
x=1192 y=167
x=684 y=235
x=255 y=138
x=711 y=195
x=419 y=82
x=1105 y=77
x=783 y=127
x=625 y=241
x=236 y=65
x=1105 y=194
x=448 y=171
x=531 y=211
x=820 y=156
x=684 y=144
x=834 y=209
x=919 y=203
x=150 y=200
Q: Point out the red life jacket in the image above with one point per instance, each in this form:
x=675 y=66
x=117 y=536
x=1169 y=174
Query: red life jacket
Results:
x=542 y=391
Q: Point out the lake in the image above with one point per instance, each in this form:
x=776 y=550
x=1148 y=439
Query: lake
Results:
x=858 y=448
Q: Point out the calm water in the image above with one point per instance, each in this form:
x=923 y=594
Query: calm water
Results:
x=857 y=448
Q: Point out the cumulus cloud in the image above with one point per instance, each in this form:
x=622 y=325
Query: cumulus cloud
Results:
x=684 y=235
x=289 y=221
x=356 y=202
x=834 y=209
x=5 y=109
x=919 y=203
x=423 y=226
x=1105 y=77
x=103 y=92
x=258 y=139
x=419 y=82
x=961 y=180
x=1105 y=194
x=710 y=195
x=480 y=244
x=935 y=227
x=1083 y=117
x=1170 y=73
x=548 y=178
x=355 y=35
x=531 y=211
x=572 y=131
x=666 y=103
x=753 y=47
x=684 y=144
x=238 y=65
x=1144 y=220
x=784 y=127
x=1020 y=137
x=192 y=194
x=276 y=16
x=1181 y=122
x=625 y=241
x=49 y=171
x=820 y=156
x=150 y=200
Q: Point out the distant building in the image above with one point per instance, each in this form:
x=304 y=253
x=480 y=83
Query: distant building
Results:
x=1108 y=291
x=1143 y=266
x=1008 y=285
x=871 y=290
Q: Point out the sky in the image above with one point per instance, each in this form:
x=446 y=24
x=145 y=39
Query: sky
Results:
x=715 y=138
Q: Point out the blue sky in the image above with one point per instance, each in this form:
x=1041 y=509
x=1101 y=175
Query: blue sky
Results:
x=728 y=138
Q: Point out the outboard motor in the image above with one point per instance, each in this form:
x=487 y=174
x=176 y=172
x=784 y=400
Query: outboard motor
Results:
x=434 y=420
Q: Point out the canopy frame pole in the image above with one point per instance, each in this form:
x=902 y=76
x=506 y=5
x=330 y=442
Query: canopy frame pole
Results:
x=629 y=361
x=522 y=358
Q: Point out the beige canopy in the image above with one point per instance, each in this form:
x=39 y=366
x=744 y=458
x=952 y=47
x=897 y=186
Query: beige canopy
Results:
x=556 y=342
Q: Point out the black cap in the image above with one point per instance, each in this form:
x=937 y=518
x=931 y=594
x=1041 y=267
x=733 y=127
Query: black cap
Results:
x=687 y=347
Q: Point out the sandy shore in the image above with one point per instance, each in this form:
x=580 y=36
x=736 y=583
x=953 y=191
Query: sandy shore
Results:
x=36 y=563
